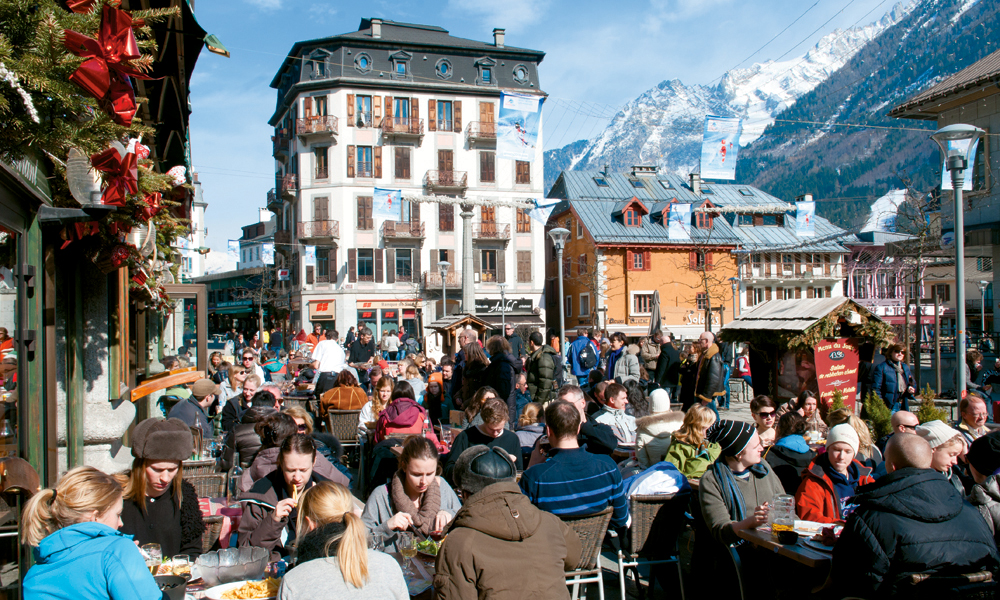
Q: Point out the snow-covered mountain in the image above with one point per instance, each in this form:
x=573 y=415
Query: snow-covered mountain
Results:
x=664 y=125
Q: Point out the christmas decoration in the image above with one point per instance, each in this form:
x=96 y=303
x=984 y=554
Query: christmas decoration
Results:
x=11 y=78
x=121 y=179
x=80 y=6
x=178 y=175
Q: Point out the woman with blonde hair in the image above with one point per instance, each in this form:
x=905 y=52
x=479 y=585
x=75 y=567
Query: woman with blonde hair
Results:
x=332 y=558
x=530 y=426
x=79 y=552
x=689 y=451
x=370 y=412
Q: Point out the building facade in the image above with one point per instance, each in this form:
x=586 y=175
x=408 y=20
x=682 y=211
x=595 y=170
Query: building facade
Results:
x=411 y=108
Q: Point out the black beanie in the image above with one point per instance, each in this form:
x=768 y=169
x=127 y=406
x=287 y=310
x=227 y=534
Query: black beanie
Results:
x=731 y=436
x=984 y=454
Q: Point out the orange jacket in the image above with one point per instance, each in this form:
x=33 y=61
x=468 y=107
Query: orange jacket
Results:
x=342 y=398
x=816 y=498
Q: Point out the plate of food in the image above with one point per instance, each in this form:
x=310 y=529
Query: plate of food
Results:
x=264 y=589
x=429 y=548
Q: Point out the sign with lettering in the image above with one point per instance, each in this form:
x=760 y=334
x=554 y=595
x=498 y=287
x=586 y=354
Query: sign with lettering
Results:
x=512 y=306
x=837 y=369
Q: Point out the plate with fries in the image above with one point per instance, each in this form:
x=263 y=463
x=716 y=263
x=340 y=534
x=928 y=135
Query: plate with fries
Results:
x=265 y=589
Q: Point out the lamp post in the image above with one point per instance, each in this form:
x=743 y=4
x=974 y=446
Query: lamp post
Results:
x=443 y=269
x=955 y=142
x=503 y=307
x=982 y=305
x=735 y=281
x=559 y=236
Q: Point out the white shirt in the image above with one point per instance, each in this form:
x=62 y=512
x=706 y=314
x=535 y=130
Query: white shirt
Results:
x=331 y=357
x=365 y=417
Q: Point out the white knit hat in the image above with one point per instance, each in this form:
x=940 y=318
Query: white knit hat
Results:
x=843 y=433
x=659 y=401
x=936 y=433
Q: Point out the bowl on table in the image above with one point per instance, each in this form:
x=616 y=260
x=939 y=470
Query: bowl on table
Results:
x=173 y=587
x=232 y=564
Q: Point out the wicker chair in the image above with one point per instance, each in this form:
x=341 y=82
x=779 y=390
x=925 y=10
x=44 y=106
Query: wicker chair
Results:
x=590 y=529
x=198 y=467
x=966 y=586
x=213 y=529
x=344 y=425
x=660 y=520
x=212 y=485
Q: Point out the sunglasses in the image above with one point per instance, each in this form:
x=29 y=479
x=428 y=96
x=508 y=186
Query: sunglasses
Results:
x=913 y=427
x=246 y=358
x=766 y=415
x=239 y=372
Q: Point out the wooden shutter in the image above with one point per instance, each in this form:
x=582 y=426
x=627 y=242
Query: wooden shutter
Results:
x=708 y=261
x=458 y=116
x=431 y=115
x=415 y=264
x=350 y=113
x=767 y=294
x=767 y=264
x=376 y=111
x=449 y=255
x=628 y=260
x=351 y=155
x=647 y=259
x=829 y=292
x=378 y=264
x=758 y=220
x=388 y=107
x=390 y=258
x=352 y=265
x=334 y=268
x=377 y=152
x=798 y=265
x=477 y=262
x=321 y=209
x=798 y=293
x=826 y=264
x=414 y=111
x=749 y=296
x=692 y=260
x=415 y=212
x=502 y=265
x=309 y=274
x=809 y=293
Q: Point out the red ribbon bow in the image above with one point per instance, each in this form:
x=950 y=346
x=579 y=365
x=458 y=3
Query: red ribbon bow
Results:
x=122 y=175
x=79 y=231
x=104 y=73
x=153 y=206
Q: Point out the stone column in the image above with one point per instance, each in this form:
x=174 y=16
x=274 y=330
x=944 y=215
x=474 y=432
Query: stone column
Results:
x=468 y=285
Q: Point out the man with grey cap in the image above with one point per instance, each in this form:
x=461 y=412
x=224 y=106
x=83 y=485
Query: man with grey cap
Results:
x=499 y=545
x=194 y=410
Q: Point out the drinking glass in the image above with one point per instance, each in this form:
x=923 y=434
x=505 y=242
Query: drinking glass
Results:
x=782 y=514
x=181 y=565
x=154 y=556
x=376 y=542
x=407 y=544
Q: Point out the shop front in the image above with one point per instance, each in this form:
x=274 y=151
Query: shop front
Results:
x=323 y=312
x=520 y=312
x=382 y=316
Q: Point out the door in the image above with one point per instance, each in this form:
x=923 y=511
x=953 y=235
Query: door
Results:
x=401 y=114
x=321 y=214
x=446 y=176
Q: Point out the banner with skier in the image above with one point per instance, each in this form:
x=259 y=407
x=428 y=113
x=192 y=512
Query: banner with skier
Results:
x=719 y=147
x=518 y=125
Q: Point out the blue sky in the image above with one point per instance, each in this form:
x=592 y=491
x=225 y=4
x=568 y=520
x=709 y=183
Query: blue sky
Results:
x=599 y=55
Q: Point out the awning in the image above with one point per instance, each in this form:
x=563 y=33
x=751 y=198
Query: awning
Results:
x=453 y=322
x=681 y=332
x=234 y=310
x=517 y=320
x=322 y=310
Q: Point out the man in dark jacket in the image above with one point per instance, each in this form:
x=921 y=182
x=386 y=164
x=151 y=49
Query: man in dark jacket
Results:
x=516 y=343
x=910 y=521
x=710 y=382
x=361 y=356
x=541 y=369
x=668 y=368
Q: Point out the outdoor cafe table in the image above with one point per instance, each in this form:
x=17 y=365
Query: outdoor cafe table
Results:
x=423 y=579
x=798 y=552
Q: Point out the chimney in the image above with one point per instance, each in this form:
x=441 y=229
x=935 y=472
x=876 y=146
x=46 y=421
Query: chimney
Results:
x=194 y=177
x=805 y=198
x=696 y=183
x=607 y=169
x=376 y=28
x=498 y=37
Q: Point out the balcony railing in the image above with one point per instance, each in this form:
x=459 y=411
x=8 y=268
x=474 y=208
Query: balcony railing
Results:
x=445 y=125
x=322 y=173
x=402 y=229
x=432 y=280
x=491 y=231
x=364 y=119
x=402 y=126
x=283 y=237
x=325 y=124
x=804 y=271
x=364 y=169
x=274 y=202
x=328 y=229
x=482 y=130
x=446 y=179
x=288 y=184
x=279 y=145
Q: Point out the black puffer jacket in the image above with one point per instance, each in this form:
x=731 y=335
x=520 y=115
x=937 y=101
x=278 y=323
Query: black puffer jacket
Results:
x=502 y=375
x=710 y=383
x=788 y=465
x=243 y=440
x=910 y=521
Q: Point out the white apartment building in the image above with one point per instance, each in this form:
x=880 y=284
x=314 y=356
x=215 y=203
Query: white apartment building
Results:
x=405 y=107
x=253 y=239
x=192 y=262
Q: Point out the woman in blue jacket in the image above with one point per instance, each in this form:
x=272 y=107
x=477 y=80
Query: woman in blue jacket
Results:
x=79 y=552
x=891 y=380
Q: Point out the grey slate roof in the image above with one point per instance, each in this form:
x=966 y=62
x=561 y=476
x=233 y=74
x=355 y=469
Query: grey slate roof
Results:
x=786 y=315
x=596 y=216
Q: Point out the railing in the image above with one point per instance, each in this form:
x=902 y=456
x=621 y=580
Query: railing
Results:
x=273 y=201
x=491 y=231
x=322 y=173
x=288 y=184
x=402 y=126
x=323 y=278
x=445 y=124
x=316 y=124
x=446 y=179
x=802 y=272
x=319 y=229
x=432 y=279
x=363 y=119
x=482 y=130
x=364 y=169
x=402 y=229
x=279 y=145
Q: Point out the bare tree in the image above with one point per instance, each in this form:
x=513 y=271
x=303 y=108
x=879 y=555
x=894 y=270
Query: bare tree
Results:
x=262 y=290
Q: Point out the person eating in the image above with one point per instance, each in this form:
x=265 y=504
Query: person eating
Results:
x=832 y=479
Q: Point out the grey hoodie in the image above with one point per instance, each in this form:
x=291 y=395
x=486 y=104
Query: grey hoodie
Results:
x=985 y=496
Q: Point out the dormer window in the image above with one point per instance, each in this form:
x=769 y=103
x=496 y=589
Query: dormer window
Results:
x=745 y=220
x=363 y=63
x=601 y=182
x=707 y=191
x=745 y=192
x=485 y=66
x=487 y=75
x=666 y=184
x=317 y=62
x=400 y=64
x=401 y=69
x=703 y=220
x=632 y=218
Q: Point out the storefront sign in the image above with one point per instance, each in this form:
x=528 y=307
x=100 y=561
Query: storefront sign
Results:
x=511 y=306
x=322 y=310
x=837 y=369
x=234 y=303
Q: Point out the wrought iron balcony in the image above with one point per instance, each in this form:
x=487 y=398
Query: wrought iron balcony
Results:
x=364 y=169
x=491 y=231
x=403 y=229
x=802 y=271
x=279 y=146
x=482 y=130
x=402 y=126
x=288 y=184
x=274 y=202
x=432 y=280
x=321 y=173
x=446 y=180
x=316 y=125
x=316 y=230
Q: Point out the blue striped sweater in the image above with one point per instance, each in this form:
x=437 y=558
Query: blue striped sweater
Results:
x=575 y=482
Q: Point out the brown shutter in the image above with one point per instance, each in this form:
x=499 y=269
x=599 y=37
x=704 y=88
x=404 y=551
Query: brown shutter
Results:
x=692 y=260
x=708 y=261
x=351 y=155
x=390 y=258
x=309 y=274
x=749 y=296
x=647 y=259
x=826 y=264
x=378 y=162
x=767 y=264
x=628 y=260
x=415 y=264
x=758 y=220
x=334 y=268
x=809 y=293
x=798 y=264
x=414 y=111
x=767 y=294
x=502 y=265
x=376 y=110
x=388 y=107
x=352 y=265
x=350 y=113
x=798 y=293
x=415 y=212
x=431 y=115
x=458 y=116
x=829 y=292
x=378 y=265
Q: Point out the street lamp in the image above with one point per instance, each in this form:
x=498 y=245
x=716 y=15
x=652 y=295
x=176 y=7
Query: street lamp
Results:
x=982 y=305
x=735 y=281
x=559 y=236
x=956 y=141
x=503 y=307
x=443 y=269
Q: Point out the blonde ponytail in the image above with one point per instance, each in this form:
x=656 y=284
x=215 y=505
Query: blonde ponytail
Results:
x=329 y=502
x=353 y=551
x=80 y=494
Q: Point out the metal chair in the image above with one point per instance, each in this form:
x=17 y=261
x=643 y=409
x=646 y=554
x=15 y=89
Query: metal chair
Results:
x=211 y=485
x=661 y=515
x=198 y=467
x=213 y=529
x=590 y=529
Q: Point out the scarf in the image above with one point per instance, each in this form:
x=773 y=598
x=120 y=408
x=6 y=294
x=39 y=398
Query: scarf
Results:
x=900 y=378
x=731 y=494
x=613 y=357
x=423 y=519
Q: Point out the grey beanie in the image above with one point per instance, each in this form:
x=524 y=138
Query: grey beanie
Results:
x=162 y=439
x=480 y=466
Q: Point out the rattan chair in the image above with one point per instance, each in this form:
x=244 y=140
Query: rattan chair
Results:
x=590 y=529
x=344 y=425
x=964 y=586
x=213 y=529
x=658 y=519
x=198 y=467
x=211 y=485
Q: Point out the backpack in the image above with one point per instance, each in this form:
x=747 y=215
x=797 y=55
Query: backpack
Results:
x=587 y=357
x=412 y=345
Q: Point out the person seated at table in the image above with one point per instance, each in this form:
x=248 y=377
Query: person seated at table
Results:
x=492 y=433
x=374 y=374
x=412 y=376
x=402 y=415
x=242 y=442
x=807 y=406
x=868 y=453
x=475 y=405
x=973 y=422
x=654 y=431
x=595 y=438
x=326 y=444
x=159 y=506
x=346 y=394
x=763 y=410
x=333 y=561
x=910 y=521
x=500 y=545
x=530 y=426
x=690 y=451
x=435 y=401
x=416 y=498
x=370 y=412
x=832 y=479
x=240 y=390
x=947 y=445
x=790 y=455
x=613 y=413
x=984 y=464
x=273 y=431
x=269 y=507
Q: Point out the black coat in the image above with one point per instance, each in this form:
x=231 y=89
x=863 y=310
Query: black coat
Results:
x=689 y=371
x=788 y=465
x=242 y=442
x=711 y=377
x=502 y=376
x=176 y=530
x=668 y=366
x=516 y=346
x=910 y=521
x=232 y=412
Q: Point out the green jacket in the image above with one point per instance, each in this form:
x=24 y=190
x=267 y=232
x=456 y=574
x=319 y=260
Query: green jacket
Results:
x=541 y=374
x=689 y=460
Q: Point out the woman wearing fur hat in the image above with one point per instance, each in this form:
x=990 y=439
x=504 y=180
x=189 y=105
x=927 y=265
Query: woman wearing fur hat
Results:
x=159 y=506
x=947 y=444
x=654 y=431
x=832 y=478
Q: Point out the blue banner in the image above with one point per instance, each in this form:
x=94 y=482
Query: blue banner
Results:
x=541 y=211
x=309 y=256
x=805 y=219
x=719 y=147
x=677 y=222
x=386 y=204
x=518 y=125
x=961 y=146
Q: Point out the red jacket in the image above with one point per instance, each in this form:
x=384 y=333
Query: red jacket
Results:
x=816 y=498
